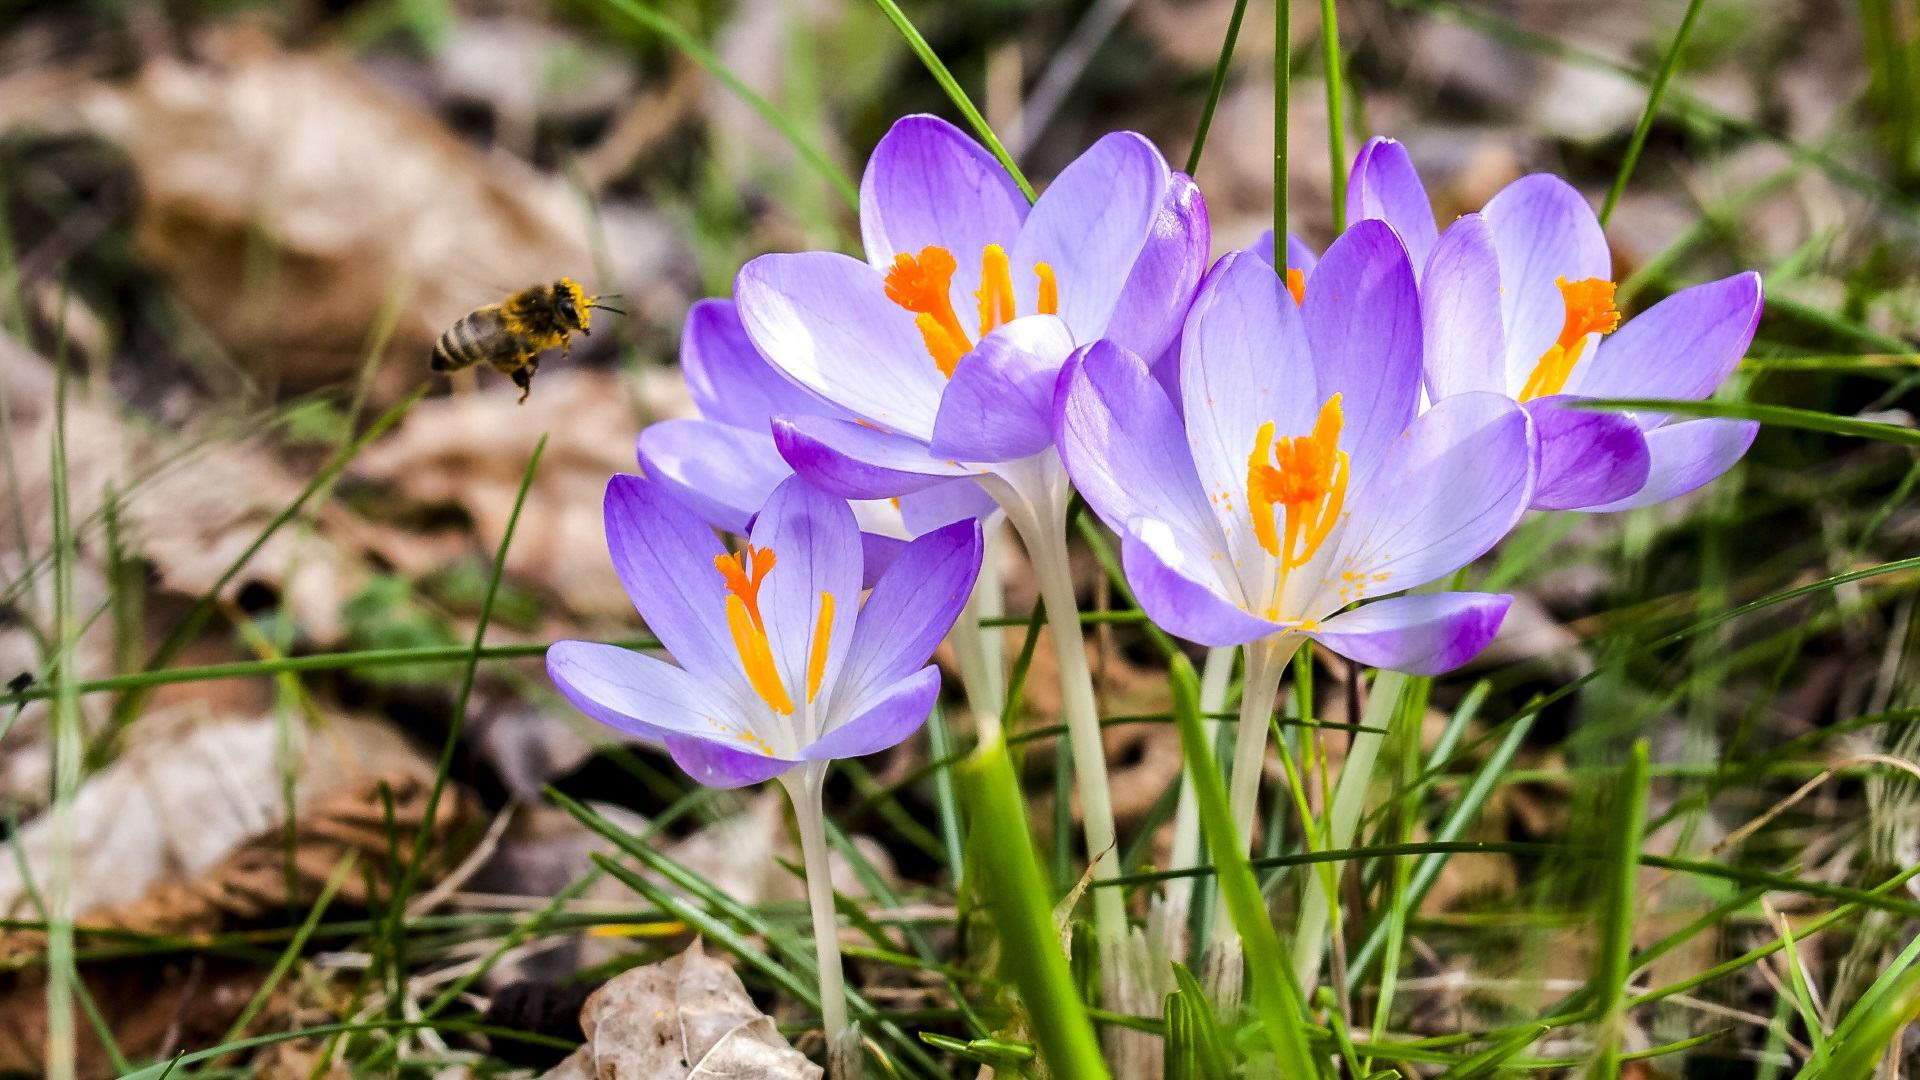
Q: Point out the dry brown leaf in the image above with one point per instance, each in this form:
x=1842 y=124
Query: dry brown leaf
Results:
x=686 y=1018
x=188 y=504
x=354 y=191
x=184 y=830
x=472 y=450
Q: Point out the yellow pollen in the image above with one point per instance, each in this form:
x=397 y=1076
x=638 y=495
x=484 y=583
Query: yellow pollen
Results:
x=817 y=656
x=744 y=572
x=1306 y=481
x=923 y=284
x=1297 y=285
x=1590 y=310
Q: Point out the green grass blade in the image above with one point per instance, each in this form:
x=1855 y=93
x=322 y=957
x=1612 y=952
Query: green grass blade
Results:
x=1336 y=121
x=938 y=69
x=1016 y=896
x=816 y=159
x=1219 y=83
x=1640 y=130
x=1611 y=970
x=1772 y=415
x=1276 y=996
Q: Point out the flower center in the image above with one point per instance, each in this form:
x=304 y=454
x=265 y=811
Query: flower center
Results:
x=1297 y=285
x=744 y=572
x=923 y=285
x=1304 y=477
x=1590 y=310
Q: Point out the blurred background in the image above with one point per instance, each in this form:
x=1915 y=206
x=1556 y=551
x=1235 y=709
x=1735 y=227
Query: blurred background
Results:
x=241 y=225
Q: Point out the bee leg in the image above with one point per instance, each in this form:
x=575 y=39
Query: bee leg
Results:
x=523 y=378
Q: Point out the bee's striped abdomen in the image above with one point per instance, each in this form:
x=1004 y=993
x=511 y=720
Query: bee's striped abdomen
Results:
x=477 y=338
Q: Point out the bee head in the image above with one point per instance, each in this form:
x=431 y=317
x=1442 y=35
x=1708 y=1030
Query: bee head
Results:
x=571 y=304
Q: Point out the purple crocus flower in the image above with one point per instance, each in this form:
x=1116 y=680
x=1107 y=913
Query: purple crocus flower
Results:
x=724 y=463
x=1297 y=480
x=943 y=345
x=1518 y=300
x=778 y=661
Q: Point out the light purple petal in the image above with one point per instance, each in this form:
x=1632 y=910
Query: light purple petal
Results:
x=1384 y=185
x=718 y=764
x=816 y=546
x=1244 y=362
x=1299 y=256
x=1124 y=449
x=854 y=461
x=896 y=713
x=1465 y=341
x=730 y=381
x=1090 y=226
x=1444 y=493
x=1685 y=456
x=1148 y=315
x=1683 y=347
x=1425 y=634
x=1362 y=315
x=1543 y=230
x=724 y=473
x=928 y=183
x=999 y=402
x=1181 y=593
x=1586 y=458
x=877 y=553
x=635 y=693
x=825 y=320
x=912 y=607
x=664 y=557
x=943 y=504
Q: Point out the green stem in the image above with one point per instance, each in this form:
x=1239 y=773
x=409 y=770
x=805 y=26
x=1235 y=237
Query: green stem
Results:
x=1336 y=117
x=1282 y=88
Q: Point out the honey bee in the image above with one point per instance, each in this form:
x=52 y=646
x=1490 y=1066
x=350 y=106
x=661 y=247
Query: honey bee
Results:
x=511 y=334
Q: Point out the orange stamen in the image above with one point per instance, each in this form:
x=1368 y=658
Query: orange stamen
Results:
x=1297 y=285
x=1307 y=482
x=996 y=289
x=817 y=656
x=923 y=285
x=1590 y=310
x=756 y=657
x=744 y=573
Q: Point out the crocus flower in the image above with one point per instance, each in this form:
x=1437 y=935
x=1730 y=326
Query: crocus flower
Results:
x=1518 y=299
x=1300 y=480
x=778 y=663
x=781 y=667
x=944 y=345
x=724 y=464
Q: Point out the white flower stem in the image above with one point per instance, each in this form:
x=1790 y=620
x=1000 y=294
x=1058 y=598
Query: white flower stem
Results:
x=1176 y=900
x=804 y=789
x=977 y=648
x=1266 y=661
x=1042 y=529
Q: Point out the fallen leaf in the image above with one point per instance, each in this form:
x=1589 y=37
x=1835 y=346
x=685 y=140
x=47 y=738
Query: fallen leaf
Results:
x=685 y=1018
